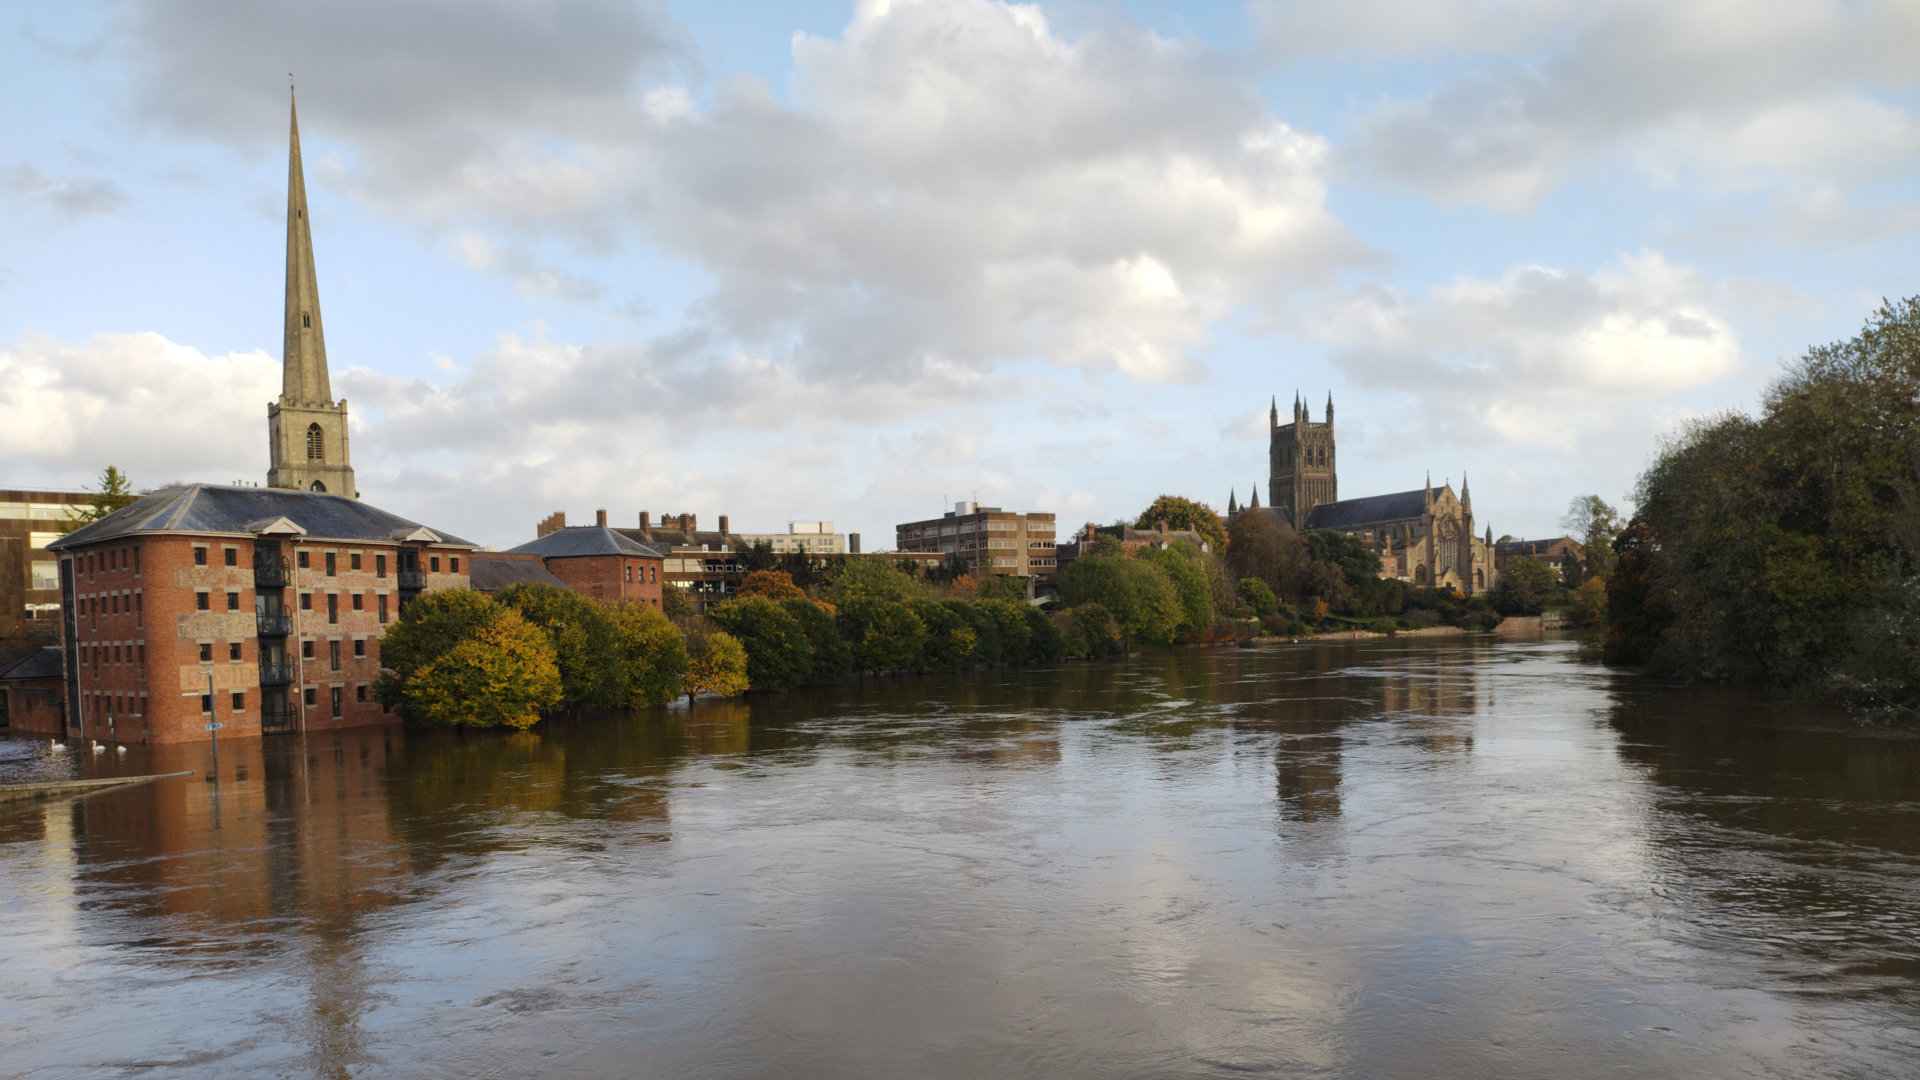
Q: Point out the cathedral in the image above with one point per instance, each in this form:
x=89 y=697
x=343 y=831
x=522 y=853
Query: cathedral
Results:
x=306 y=428
x=1423 y=537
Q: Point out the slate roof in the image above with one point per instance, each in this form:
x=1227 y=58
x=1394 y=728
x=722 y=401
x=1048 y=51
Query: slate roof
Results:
x=491 y=571
x=578 y=540
x=43 y=663
x=1351 y=513
x=202 y=509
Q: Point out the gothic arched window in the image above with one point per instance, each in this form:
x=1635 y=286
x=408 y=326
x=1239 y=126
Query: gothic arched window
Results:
x=321 y=488
x=316 y=443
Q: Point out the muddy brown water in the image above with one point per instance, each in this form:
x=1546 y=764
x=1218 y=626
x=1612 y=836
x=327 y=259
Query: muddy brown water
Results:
x=1441 y=858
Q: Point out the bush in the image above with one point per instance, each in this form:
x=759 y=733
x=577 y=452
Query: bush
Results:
x=1258 y=596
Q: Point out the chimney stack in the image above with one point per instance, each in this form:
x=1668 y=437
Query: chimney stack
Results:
x=553 y=524
x=600 y=518
x=686 y=523
x=853 y=543
x=644 y=525
x=723 y=524
x=1161 y=526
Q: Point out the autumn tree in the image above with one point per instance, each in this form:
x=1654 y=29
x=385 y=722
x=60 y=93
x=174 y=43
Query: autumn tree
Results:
x=654 y=653
x=779 y=655
x=772 y=584
x=716 y=662
x=1596 y=524
x=592 y=674
x=457 y=658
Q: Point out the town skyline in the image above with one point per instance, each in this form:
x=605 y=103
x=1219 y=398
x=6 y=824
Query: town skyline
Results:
x=499 y=318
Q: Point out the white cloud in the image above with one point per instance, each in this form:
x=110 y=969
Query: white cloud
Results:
x=72 y=197
x=1540 y=356
x=158 y=410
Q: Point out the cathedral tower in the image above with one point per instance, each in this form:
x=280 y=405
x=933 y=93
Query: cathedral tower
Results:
x=306 y=428
x=1300 y=461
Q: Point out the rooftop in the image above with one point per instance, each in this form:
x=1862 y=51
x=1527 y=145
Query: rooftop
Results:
x=206 y=509
x=580 y=540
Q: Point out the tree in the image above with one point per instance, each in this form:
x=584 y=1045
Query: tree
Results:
x=1259 y=596
x=427 y=629
x=772 y=584
x=1526 y=586
x=872 y=575
x=114 y=493
x=1596 y=524
x=592 y=672
x=1011 y=587
x=757 y=556
x=1137 y=593
x=1590 y=603
x=503 y=675
x=1090 y=631
x=673 y=603
x=1186 y=514
x=654 y=653
x=883 y=633
x=832 y=659
x=1260 y=547
x=1181 y=563
x=779 y=656
x=716 y=662
x=1010 y=627
x=1045 y=643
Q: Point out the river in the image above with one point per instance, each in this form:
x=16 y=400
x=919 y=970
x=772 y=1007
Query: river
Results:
x=1389 y=858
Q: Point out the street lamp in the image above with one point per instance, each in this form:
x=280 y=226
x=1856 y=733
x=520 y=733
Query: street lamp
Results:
x=213 y=726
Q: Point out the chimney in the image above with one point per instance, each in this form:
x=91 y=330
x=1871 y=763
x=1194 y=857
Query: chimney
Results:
x=723 y=524
x=1161 y=526
x=853 y=543
x=644 y=525
x=553 y=524
x=686 y=522
x=600 y=518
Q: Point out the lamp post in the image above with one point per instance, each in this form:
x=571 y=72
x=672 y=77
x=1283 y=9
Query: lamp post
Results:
x=213 y=727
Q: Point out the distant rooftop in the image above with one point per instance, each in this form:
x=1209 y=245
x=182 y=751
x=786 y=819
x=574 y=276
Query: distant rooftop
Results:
x=244 y=511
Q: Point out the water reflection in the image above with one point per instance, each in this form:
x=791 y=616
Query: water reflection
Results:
x=1454 y=857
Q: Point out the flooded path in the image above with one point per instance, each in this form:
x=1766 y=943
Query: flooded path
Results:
x=1444 y=858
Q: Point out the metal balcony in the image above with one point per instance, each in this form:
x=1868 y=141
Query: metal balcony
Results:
x=278 y=721
x=276 y=674
x=271 y=574
x=274 y=624
x=413 y=579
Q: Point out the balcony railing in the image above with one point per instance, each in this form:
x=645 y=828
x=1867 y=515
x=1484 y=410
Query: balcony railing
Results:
x=274 y=624
x=413 y=579
x=271 y=574
x=276 y=674
x=278 y=721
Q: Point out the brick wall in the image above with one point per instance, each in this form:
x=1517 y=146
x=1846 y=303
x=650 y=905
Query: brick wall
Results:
x=610 y=577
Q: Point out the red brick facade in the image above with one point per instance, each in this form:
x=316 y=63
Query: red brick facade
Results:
x=610 y=577
x=152 y=614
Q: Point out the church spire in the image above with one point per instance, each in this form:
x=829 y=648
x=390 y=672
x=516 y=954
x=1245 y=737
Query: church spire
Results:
x=1273 y=414
x=304 y=359
x=1253 y=502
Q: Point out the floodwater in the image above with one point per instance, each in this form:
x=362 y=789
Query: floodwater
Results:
x=1395 y=858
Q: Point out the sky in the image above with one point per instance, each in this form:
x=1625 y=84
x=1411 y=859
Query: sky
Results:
x=854 y=262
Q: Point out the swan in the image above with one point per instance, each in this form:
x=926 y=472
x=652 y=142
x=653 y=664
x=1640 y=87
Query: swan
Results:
x=57 y=746
x=99 y=747
x=119 y=749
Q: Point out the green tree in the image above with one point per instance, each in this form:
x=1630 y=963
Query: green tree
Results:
x=779 y=655
x=1138 y=594
x=1090 y=631
x=654 y=653
x=1590 y=603
x=427 y=628
x=1045 y=643
x=716 y=662
x=1181 y=563
x=1009 y=627
x=1596 y=524
x=1525 y=586
x=1258 y=596
x=114 y=493
x=832 y=658
x=592 y=672
x=1260 y=547
x=1186 y=514
x=874 y=576
x=756 y=556
x=883 y=633
x=951 y=642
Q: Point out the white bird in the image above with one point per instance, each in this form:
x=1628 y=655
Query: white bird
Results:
x=99 y=747
x=57 y=746
x=119 y=749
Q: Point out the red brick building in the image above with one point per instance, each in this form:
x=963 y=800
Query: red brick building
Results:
x=30 y=699
x=597 y=561
x=273 y=600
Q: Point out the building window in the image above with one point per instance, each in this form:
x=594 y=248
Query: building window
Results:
x=239 y=701
x=206 y=652
x=360 y=692
x=333 y=607
x=312 y=697
x=233 y=650
x=306 y=601
x=382 y=601
x=359 y=602
x=199 y=556
x=203 y=601
x=316 y=443
x=359 y=646
x=434 y=564
x=333 y=655
x=206 y=703
x=629 y=575
x=306 y=320
x=233 y=556
x=233 y=601
x=353 y=561
x=332 y=569
x=379 y=566
x=653 y=575
x=136 y=560
x=303 y=560
x=336 y=702
x=453 y=565
x=306 y=649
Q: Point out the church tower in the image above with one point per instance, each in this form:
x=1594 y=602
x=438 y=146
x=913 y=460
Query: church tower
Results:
x=1300 y=461
x=306 y=428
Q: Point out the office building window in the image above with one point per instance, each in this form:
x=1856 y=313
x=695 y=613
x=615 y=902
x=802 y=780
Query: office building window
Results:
x=203 y=601
x=206 y=703
x=382 y=601
x=306 y=649
x=199 y=556
x=330 y=565
x=333 y=607
x=306 y=601
x=233 y=601
x=333 y=655
x=336 y=702
x=233 y=650
x=359 y=646
x=360 y=692
x=233 y=556
x=379 y=566
x=434 y=564
x=206 y=652
x=454 y=564
x=312 y=697
x=359 y=602
x=239 y=701
x=353 y=561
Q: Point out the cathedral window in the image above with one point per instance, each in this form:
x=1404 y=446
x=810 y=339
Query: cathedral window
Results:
x=316 y=444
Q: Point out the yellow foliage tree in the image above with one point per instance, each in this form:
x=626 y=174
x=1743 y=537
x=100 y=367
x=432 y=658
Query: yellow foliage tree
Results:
x=501 y=674
x=772 y=584
x=717 y=664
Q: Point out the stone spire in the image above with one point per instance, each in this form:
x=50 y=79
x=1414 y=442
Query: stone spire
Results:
x=1466 y=496
x=1232 y=506
x=306 y=428
x=1329 y=406
x=1426 y=492
x=1253 y=501
x=304 y=374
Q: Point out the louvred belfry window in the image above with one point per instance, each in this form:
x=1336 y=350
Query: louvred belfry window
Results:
x=316 y=443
